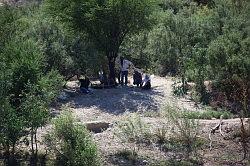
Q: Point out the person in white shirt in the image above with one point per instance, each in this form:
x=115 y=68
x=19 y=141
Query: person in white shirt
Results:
x=146 y=82
x=124 y=67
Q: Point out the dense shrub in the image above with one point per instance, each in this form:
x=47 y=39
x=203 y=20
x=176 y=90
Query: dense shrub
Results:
x=71 y=142
x=26 y=90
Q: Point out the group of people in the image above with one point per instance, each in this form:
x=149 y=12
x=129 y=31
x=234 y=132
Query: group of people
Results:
x=124 y=66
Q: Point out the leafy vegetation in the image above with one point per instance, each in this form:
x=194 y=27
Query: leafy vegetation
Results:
x=106 y=22
x=45 y=43
x=26 y=90
x=71 y=142
x=198 y=43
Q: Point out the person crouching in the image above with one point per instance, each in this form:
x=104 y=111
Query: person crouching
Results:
x=137 y=77
x=146 y=83
x=84 y=87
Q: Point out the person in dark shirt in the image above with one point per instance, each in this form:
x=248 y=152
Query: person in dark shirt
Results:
x=137 y=77
x=84 y=87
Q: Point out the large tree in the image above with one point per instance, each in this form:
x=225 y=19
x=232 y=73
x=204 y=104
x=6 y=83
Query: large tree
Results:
x=107 y=22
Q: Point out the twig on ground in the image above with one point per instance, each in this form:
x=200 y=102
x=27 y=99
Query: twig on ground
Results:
x=217 y=127
x=244 y=137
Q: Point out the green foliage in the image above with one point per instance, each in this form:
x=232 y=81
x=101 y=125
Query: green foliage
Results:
x=135 y=48
x=178 y=89
x=64 y=50
x=208 y=113
x=199 y=42
x=86 y=57
x=106 y=22
x=26 y=90
x=124 y=16
x=54 y=44
x=71 y=142
x=7 y=29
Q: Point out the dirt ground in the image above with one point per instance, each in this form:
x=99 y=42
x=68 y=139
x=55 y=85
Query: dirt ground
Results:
x=112 y=105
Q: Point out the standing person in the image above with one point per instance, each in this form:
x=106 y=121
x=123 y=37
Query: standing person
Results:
x=124 y=65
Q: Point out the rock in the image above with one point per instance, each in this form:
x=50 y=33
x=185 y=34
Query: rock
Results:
x=97 y=126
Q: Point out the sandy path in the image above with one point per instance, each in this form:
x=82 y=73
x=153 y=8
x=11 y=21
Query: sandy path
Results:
x=110 y=104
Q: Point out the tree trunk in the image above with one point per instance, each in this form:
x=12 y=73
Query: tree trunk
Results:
x=32 y=141
x=111 y=70
x=111 y=60
x=36 y=142
x=184 y=84
x=7 y=152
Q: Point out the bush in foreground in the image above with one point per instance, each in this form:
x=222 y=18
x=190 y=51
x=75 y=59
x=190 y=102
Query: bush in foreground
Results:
x=71 y=143
x=184 y=139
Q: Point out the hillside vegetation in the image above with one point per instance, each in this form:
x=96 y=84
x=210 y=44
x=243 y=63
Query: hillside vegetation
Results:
x=200 y=49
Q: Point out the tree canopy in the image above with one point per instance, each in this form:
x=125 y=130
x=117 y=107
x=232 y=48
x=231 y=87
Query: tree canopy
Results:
x=107 y=22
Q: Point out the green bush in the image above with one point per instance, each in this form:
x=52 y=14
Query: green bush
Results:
x=26 y=89
x=71 y=142
x=22 y=70
x=179 y=89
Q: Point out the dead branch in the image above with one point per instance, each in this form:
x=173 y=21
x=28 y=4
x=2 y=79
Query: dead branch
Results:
x=215 y=128
x=244 y=137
